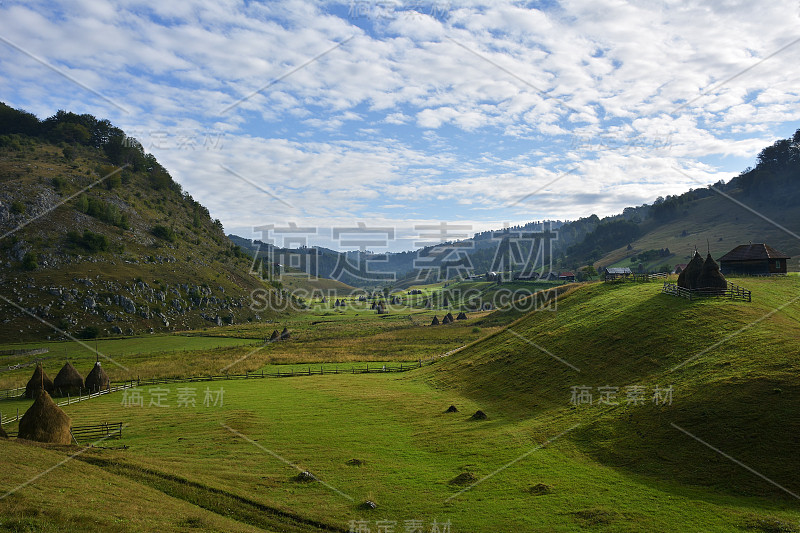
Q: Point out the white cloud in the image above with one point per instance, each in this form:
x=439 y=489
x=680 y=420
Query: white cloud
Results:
x=612 y=75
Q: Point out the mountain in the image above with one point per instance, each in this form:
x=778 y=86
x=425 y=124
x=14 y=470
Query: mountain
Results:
x=97 y=238
x=762 y=204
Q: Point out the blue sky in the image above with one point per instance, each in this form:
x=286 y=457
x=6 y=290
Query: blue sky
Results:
x=401 y=114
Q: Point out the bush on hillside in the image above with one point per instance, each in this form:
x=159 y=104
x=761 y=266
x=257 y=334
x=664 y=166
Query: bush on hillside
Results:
x=89 y=241
x=163 y=232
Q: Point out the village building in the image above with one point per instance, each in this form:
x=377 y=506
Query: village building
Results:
x=754 y=260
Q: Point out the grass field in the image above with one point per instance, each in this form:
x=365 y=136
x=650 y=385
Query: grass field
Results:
x=317 y=336
x=552 y=465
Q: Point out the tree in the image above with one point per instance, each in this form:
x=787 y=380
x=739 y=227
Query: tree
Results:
x=69 y=153
x=29 y=262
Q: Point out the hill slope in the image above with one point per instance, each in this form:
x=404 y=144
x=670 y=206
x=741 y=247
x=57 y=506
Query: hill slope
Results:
x=98 y=238
x=734 y=369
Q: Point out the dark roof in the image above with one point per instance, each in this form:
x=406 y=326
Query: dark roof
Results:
x=753 y=252
x=566 y=274
x=617 y=270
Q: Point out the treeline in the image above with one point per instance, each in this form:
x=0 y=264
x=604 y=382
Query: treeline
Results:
x=776 y=176
x=605 y=237
x=86 y=130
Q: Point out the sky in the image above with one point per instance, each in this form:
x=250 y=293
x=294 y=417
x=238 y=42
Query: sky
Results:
x=398 y=116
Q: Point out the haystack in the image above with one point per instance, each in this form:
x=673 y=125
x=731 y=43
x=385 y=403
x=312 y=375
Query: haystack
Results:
x=461 y=316
x=275 y=335
x=38 y=379
x=44 y=421
x=688 y=278
x=285 y=333
x=447 y=319
x=452 y=409
x=97 y=379
x=710 y=277
x=68 y=381
x=435 y=321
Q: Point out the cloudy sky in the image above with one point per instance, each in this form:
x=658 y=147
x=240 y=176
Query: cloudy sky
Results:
x=402 y=113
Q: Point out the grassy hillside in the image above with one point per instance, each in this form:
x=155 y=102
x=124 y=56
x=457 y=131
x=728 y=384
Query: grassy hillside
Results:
x=718 y=223
x=98 y=238
x=733 y=367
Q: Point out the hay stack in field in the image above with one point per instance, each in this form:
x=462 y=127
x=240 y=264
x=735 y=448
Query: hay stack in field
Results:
x=285 y=333
x=275 y=335
x=97 y=379
x=461 y=316
x=446 y=320
x=710 y=277
x=68 y=381
x=38 y=379
x=435 y=321
x=688 y=278
x=449 y=317
x=44 y=421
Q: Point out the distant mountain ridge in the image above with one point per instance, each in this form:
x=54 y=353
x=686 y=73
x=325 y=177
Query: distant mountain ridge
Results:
x=760 y=204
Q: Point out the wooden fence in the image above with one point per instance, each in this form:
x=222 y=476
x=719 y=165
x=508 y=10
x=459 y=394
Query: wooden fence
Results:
x=311 y=370
x=635 y=277
x=11 y=394
x=83 y=434
x=97 y=432
x=732 y=292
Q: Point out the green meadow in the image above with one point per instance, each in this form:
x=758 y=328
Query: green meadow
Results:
x=718 y=452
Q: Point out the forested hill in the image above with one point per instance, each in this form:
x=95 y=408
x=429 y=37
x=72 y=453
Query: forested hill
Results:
x=99 y=239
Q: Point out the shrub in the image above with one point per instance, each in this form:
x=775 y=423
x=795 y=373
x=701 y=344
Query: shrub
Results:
x=90 y=241
x=108 y=213
x=17 y=207
x=29 y=262
x=89 y=332
x=163 y=232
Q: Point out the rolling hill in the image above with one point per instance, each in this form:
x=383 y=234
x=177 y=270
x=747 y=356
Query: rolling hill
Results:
x=98 y=239
x=732 y=369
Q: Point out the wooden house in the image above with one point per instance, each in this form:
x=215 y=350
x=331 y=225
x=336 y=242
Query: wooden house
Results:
x=617 y=272
x=754 y=260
